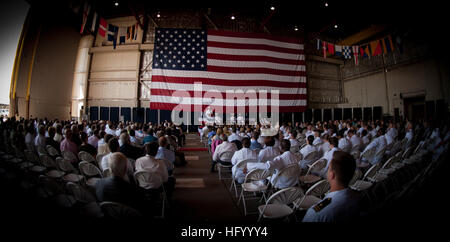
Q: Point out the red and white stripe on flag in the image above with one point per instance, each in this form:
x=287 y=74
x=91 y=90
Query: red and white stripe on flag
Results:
x=103 y=27
x=237 y=61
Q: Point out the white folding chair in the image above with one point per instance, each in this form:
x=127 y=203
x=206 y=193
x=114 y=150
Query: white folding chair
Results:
x=365 y=182
x=358 y=174
x=84 y=156
x=241 y=165
x=87 y=199
x=254 y=183
x=287 y=177
x=310 y=158
x=277 y=206
x=224 y=157
x=71 y=173
x=312 y=196
x=90 y=172
x=52 y=167
x=68 y=155
x=52 y=151
x=317 y=167
x=31 y=157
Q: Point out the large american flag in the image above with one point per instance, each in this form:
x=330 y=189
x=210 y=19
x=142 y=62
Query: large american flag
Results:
x=223 y=61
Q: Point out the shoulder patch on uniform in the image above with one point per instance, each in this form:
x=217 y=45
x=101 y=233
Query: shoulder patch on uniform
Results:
x=322 y=204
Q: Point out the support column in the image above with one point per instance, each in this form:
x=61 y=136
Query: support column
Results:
x=30 y=71
x=80 y=77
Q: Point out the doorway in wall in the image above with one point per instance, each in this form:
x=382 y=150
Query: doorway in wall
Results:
x=414 y=108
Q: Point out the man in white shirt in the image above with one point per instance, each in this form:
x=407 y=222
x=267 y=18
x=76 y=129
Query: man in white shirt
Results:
x=278 y=163
x=220 y=149
x=309 y=131
x=293 y=140
x=354 y=139
x=243 y=154
x=39 y=141
x=344 y=143
x=365 y=138
x=317 y=139
x=391 y=134
x=409 y=134
x=234 y=135
x=380 y=144
x=164 y=153
x=157 y=167
x=270 y=151
x=329 y=154
x=308 y=149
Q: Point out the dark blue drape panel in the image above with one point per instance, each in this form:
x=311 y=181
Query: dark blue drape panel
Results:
x=337 y=114
x=327 y=114
x=151 y=115
x=93 y=113
x=126 y=113
x=317 y=115
x=367 y=113
x=104 y=113
x=347 y=113
x=114 y=114
x=138 y=115
x=165 y=115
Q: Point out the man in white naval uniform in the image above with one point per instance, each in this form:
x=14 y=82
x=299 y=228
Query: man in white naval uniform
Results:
x=341 y=204
x=243 y=154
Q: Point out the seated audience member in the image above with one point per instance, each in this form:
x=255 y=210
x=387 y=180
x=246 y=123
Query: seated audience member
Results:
x=278 y=163
x=341 y=204
x=68 y=144
x=254 y=144
x=409 y=135
x=156 y=166
x=129 y=150
x=379 y=142
x=391 y=133
x=29 y=137
x=234 y=135
x=354 y=139
x=39 y=141
x=293 y=139
x=164 y=153
x=317 y=140
x=85 y=146
x=76 y=135
x=50 y=140
x=59 y=135
x=94 y=138
x=309 y=146
x=344 y=143
x=148 y=136
x=365 y=138
x=113 y=147
x=134 y=141
x=325 y=146
x=220 y=149
x=329 y=155
x=117 y=188
x=270 y=151
x=103 y=144
x=243 y=154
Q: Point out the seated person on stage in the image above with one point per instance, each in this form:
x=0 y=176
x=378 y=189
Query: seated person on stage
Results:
x=117 y=188
x=293 y=139
x=341 y=204
x=156 y=166
x=306 y=151
x=379 y=142
x=317 y=140
x=243 y=154
x=329 y=154
x=278 y=163
x=234 y=135
x=354 y=139
x=325 y=146
x=224 y=147
x=343 y=143
x=270 y=151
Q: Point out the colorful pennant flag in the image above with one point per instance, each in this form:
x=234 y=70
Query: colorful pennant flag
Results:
x=330 y=48
x=347 y=52
x=319 y=44
x=112 y=34
x=355 y=50
x=338 y=50
x=122 y=34
x=102 y=28
x=376 y=47
x=86 y=10
x=388 y=46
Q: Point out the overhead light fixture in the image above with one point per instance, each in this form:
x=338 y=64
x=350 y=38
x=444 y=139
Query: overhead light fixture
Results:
x=233 y=17
x=296 y=28
x=116 y=3
x=158 y=15
x=326 y=4
x=335 y=26
x=272 y=8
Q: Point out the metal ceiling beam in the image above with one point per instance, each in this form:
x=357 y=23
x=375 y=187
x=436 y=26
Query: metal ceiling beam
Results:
x=363 y=35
